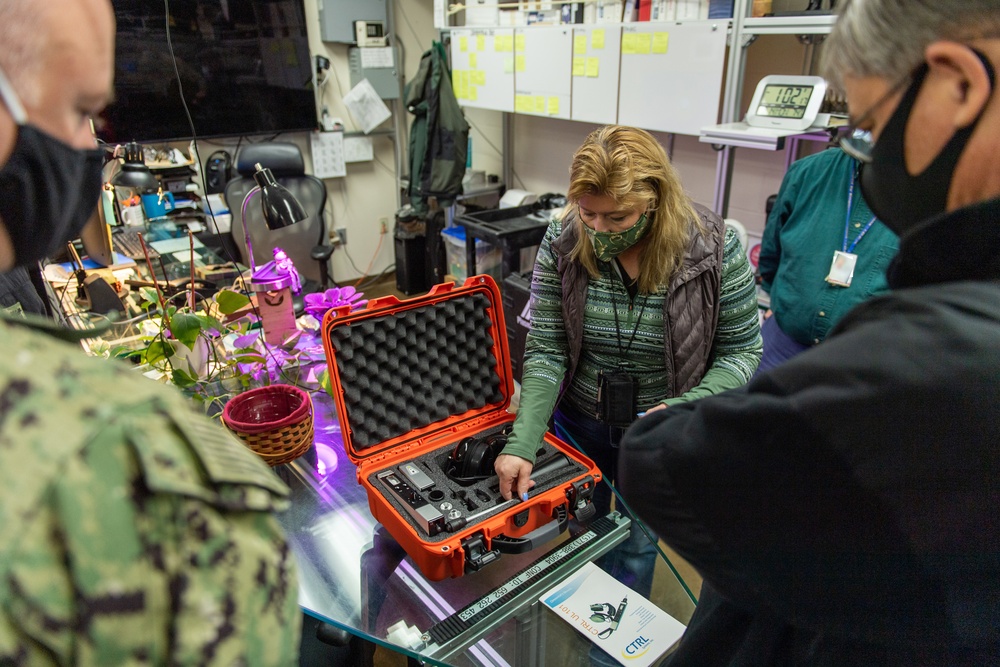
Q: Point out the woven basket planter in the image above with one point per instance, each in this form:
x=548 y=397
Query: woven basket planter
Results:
x=275 y=421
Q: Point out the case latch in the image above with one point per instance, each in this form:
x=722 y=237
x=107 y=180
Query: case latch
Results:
x=477 y=556
x=579 y=494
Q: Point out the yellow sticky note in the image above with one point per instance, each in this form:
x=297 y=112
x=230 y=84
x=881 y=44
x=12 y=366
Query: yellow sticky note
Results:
x=473 y=96
x=628 y=43
x=508 y=43
x=519 y=63
x=580 y=44
x=597 y=39
x=508 y=65
x=660 y=42
x=463 y=85
x=478 y=77
x=579 y=66
x=473 y=61
x=593 y=66
x=463 y=44
x=454 y=85
x=521 y=103
x=642 y=41
x=480 y=42
x=519 y=43
x=553 y=106
x=539 y=103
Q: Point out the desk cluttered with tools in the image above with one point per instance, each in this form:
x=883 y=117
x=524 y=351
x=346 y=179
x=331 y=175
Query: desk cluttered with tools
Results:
x=168 y=250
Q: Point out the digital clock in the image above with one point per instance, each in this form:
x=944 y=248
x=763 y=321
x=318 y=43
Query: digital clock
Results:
x=786 y=102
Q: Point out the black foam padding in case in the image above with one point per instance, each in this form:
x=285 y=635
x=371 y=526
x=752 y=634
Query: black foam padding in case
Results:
x=483 y=493
x=406 y=370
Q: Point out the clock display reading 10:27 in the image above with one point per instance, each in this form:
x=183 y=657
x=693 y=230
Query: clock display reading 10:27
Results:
x=783 y=101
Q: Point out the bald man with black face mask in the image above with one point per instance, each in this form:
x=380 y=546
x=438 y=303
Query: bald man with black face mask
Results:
x=132 y=530
x=843 y=506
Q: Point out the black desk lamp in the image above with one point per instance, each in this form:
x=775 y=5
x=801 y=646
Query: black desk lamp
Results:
x=276 y=280
x=134 y=172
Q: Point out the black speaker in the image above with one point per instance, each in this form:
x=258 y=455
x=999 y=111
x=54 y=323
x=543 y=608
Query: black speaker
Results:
x=218 y=171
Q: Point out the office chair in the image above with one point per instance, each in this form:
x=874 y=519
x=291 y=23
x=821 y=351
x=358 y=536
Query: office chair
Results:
x=306 y=242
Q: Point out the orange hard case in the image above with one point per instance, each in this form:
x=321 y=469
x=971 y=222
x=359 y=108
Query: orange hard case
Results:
x=369 y=372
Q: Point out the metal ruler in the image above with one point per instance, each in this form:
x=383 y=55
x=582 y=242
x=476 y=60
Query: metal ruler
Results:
x=479 y=618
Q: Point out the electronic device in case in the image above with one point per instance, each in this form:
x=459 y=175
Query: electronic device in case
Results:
x=783 y=102
x=370 y=33
x=425 y=514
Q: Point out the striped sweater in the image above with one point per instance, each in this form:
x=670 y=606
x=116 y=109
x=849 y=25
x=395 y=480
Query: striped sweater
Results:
x=635 y=343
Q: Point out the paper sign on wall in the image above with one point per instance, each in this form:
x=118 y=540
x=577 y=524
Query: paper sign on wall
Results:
x=328 y=154
x=366 y=107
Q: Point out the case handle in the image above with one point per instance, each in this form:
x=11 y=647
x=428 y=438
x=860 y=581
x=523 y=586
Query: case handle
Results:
x=537 y=537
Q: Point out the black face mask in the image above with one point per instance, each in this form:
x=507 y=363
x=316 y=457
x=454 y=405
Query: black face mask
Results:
x=48 y=189
x=900 y=200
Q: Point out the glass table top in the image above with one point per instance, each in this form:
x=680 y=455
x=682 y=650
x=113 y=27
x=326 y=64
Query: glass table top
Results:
x=355 y=576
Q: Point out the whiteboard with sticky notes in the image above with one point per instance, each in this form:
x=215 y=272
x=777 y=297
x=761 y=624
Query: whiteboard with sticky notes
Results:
x=596 y=51
x=482 y=67
x=671 y=75
x=543 y=71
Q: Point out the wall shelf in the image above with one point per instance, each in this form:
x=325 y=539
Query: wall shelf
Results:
x=820 y=24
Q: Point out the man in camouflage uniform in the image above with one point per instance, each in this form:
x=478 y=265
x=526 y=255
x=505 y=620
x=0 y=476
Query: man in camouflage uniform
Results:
x=132 y=531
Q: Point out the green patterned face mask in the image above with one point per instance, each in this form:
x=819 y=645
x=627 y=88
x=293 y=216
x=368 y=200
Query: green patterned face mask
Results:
x=608 y=245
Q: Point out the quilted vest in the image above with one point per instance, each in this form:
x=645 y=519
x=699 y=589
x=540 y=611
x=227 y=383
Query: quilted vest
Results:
x=691 y=307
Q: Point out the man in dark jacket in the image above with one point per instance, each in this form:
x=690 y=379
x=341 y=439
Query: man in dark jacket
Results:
x=843 y=507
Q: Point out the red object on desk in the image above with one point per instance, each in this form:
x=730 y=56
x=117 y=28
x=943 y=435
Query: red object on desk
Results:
x=276 y=421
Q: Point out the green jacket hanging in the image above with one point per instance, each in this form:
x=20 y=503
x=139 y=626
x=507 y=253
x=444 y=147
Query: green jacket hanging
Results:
x=439 y=134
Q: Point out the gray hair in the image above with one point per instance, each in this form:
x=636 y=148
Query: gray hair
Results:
x=23 y=45
x=887 y=38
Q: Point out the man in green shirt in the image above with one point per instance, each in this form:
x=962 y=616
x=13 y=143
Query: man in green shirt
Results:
x=823 y=252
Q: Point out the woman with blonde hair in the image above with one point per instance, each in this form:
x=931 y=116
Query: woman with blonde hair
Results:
x=639 y=299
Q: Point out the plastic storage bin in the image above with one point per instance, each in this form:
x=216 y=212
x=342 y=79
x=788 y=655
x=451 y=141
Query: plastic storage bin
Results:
x=488 y=258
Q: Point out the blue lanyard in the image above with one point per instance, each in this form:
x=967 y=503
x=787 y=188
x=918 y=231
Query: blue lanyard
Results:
x=847 y=222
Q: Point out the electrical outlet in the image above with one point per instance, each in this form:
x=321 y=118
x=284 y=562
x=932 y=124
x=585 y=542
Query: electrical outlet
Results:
x=384 y=223
x=342 y=235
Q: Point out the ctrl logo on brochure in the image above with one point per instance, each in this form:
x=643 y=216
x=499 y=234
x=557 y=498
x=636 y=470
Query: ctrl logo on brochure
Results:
x=637 y=648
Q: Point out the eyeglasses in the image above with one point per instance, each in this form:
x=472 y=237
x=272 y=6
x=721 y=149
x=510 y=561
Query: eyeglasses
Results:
x=859 y=143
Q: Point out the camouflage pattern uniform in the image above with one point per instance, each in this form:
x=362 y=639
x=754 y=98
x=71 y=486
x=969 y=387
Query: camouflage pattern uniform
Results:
x=132 y=530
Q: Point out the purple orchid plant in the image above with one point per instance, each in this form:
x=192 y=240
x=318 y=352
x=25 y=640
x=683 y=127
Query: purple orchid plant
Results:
x=317 y=304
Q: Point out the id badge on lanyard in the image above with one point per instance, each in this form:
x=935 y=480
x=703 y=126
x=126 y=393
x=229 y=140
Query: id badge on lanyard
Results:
x=842 y=268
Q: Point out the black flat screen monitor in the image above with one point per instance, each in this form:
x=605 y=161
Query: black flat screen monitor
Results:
x=245 y=67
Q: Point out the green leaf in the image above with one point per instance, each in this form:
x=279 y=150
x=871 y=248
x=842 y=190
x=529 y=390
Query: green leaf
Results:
x=230 y=301
x=157 y=351
x=182 y=378
x=248 y=358
x=324 y=381
x=149 y=296
x=209 y=323
x=185 y=328
x=123 y=352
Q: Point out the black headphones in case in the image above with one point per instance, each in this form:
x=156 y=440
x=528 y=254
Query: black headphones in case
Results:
x=473 y=458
